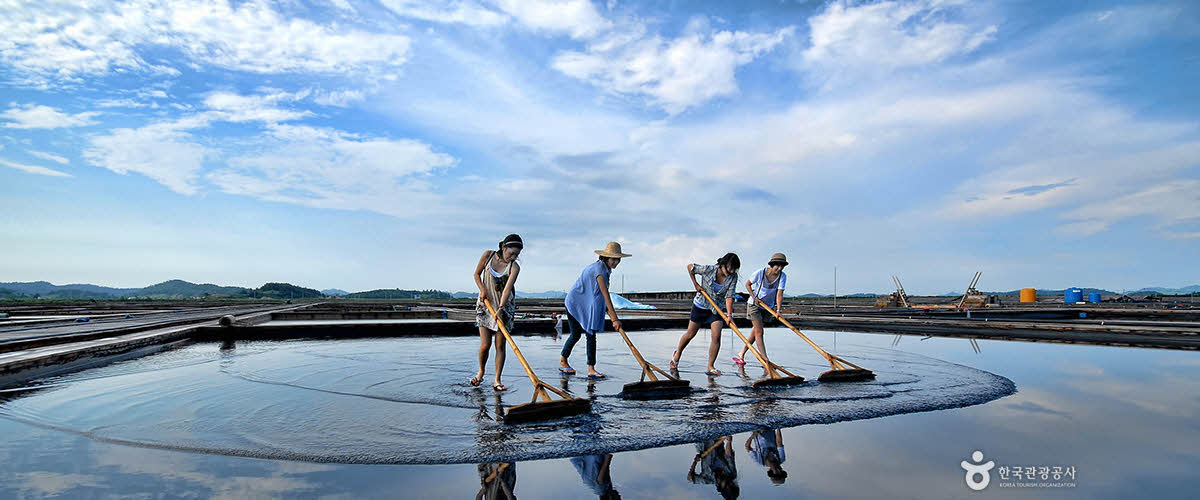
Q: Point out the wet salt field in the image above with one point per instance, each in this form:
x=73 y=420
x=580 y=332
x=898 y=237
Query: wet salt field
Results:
x=359 y=418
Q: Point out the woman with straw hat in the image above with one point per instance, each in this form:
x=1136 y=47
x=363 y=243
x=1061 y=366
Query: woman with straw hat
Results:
x=496 y=277
x=766 y=286
x=586 y=304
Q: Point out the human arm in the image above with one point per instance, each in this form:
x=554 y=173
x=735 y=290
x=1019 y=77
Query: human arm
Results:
x=692 y=276
x=729 y=306
x=483 y=261
x=779 y=301
x=612 y=311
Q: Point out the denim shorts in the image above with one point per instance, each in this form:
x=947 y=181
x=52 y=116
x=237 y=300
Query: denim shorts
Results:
x=704 y=317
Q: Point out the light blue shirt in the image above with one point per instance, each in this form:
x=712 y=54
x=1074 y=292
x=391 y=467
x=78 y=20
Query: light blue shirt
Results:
x=718 y=291
x=766 y=291
x=585 y=301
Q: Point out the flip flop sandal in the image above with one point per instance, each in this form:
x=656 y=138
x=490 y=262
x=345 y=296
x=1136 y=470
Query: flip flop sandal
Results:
x=499 y=387
x=671 y=362
x=596 y=376
x=475 y=381
x=739 y=361
x=566 y=371
x=713 y=373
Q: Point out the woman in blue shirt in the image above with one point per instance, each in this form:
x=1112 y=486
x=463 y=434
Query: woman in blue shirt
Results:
x=586 y=304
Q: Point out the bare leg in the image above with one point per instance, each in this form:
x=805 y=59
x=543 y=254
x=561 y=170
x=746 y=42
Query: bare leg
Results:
x=757 y=335
x=714 y=347
x=693 y=327
x=485 y=344
x=500 y=353
x=745 y=349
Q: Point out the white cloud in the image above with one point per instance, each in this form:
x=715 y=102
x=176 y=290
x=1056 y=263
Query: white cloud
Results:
x=458 y=12
x=890 y=35
x=1171 y=203
x=37 y=116
x=34 y=169
x=241 y=108
x=50 y=157
x=340 y=98
x=121 y=103
x=675 y=74
x=162 y=152
x=55 y=41
x=332 y=169
x=577 y=18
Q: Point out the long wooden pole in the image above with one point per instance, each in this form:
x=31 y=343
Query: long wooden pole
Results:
x=771 y=367
x=833 y=360
x=647 y=367
x=539 y=386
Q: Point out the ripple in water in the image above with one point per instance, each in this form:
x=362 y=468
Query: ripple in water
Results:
x=406 y=400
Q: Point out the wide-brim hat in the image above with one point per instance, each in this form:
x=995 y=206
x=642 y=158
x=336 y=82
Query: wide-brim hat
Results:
x=778 y=257
x=613 y=249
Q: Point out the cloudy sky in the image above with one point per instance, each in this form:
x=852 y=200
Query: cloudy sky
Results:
x=387 y=143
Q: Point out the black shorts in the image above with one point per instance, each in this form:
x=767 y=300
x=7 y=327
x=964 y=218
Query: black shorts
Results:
x=704 y=317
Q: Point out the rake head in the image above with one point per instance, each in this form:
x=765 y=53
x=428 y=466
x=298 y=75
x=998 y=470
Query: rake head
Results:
x=778 y=381
x=546 y=410
x=657 y=389
x=847 y=375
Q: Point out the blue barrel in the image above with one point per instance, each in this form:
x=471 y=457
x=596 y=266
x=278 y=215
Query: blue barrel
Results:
x=1094 y=297
x=1072 y=295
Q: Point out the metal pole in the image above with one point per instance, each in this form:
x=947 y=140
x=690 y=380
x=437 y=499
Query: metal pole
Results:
x=835 y=287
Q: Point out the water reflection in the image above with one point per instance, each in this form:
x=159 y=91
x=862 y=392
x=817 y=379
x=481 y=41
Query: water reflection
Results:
x=594 y=471
x=1077 y=405
x=765 y=447
x=717 y=466
x=497 y=481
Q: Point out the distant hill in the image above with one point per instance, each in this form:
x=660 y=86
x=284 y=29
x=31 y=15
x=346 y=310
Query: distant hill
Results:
x=287 y=291
x=396 y=293
x=334 y=292
x=173 y=289
x=1145 y=291
x=49 y=290
x=183 y=289
x=553 y=294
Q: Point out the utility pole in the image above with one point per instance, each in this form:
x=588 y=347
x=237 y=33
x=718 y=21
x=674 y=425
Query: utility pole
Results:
x=835 y=288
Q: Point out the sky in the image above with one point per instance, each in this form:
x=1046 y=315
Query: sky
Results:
x=388 y=143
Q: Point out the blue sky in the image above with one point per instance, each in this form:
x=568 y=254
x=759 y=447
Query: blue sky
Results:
x=387 y=143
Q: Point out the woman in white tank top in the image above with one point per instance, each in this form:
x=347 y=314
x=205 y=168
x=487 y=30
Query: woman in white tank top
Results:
x=496 y=277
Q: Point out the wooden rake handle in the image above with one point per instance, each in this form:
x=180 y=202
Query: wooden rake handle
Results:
x=539 y=387
x=648 y=368
x=771 y=367
x=833 y=360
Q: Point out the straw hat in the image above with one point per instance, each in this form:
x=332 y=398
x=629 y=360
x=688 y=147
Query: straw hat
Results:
x=778 y=257
x=613 y=249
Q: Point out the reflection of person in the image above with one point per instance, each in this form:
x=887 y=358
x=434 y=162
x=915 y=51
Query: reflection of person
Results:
x=593 y=469
x=496 y=277
x=586 y=304
x=717 y=466
x=765 y=286
x=497 y=481
x=766 y=448
x=720 y=282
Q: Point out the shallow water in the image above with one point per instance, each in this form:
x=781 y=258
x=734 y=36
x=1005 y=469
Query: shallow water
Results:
x=398 y=400
x=1122 y=417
